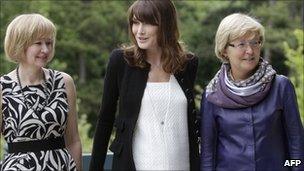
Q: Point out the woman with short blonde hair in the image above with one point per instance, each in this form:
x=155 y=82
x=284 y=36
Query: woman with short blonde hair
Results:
x=23 y=31
x=38 y=117
x=233 y=27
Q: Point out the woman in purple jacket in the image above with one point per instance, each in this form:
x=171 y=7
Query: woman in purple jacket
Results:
x=250 y=117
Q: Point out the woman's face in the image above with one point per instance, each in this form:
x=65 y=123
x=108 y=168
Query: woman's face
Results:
x=145 y=34
x=38 y=53
x=243 y=55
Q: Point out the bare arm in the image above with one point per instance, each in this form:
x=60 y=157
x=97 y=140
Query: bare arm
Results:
x=72 y=139
x=0 y=110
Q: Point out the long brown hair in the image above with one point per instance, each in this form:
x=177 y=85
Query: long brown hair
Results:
x=163 y=14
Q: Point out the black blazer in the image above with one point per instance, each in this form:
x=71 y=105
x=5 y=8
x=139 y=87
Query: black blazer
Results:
x=125 y=85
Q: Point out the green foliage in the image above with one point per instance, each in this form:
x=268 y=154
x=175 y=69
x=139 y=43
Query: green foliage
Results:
x=89 y=98
x=295 y=61
x=86 y=140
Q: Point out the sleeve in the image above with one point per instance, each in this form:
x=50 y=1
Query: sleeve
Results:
x=193 y=68
x=193 y=75
x=106 y=114
x=293 y=126
x=208 y=135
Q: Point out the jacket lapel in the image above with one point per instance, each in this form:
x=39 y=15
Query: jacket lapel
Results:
x=135 y=80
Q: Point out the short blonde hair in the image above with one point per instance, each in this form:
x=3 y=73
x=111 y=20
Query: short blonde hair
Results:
x=23 y=31
x=233 y=27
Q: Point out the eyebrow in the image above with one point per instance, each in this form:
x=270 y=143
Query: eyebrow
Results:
x=134 y=17
x=250 y=40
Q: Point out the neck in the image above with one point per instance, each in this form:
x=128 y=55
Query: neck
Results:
x=154 y=57
x=30 y=75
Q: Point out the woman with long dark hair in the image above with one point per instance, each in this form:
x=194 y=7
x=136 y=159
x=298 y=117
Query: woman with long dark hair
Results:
x=152 y=81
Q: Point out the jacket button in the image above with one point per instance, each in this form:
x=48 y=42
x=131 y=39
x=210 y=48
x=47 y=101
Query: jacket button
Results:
x=182 y=80
x=187 y=90
x=191 y=100
x=193 y=112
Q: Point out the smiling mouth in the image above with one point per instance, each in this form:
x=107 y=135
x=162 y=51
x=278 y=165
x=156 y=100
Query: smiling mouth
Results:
x=42 y=57
x=142 y=38
x=249 y=59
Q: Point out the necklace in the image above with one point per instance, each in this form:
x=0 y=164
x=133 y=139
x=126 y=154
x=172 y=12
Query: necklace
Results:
x=154 y=107
x=38 y=108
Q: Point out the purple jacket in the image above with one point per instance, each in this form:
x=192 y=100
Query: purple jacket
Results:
x=260 y=137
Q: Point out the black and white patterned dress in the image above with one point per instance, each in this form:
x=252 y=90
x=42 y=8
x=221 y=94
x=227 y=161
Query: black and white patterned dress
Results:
x=21 y=124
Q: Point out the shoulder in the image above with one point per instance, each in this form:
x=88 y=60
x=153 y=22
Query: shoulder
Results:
x=67 y=79
x=282 y=78
x=61 y=79
x=282 y=81
x=206 y=105
x=117 y=56
x=191 y=62
x=9 y=76
x=117 y=53
x=56 y=75
x=192 y=58
x=69 y=86
x=8 y=79
x=116 y=59
x=282 y=86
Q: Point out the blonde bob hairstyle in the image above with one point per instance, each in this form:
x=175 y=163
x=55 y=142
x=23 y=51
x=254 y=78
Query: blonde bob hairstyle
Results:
x=235 y=26
x=23 y=31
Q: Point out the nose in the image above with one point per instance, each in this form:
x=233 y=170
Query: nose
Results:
x=249 y=49
x=141 y=29
x=44 y=48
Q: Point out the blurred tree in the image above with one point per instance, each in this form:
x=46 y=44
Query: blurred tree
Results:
x=295 y=61
x=84 y=127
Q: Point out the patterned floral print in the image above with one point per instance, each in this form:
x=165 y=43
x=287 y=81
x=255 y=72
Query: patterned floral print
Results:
x=22 y=124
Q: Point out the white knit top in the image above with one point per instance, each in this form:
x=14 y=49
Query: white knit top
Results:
x=160 y=139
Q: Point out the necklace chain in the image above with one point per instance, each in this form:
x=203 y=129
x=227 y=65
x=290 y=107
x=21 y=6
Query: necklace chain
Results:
x=27 y=103
x=168 y=104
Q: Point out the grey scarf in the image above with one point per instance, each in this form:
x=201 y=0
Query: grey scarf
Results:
x=225 y=92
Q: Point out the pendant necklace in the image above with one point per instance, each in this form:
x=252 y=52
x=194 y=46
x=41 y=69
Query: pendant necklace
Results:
x=39 y=107
x=154 y=107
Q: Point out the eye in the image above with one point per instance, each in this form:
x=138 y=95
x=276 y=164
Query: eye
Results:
x=254 y=43
x=135 y=21
x=241 y=45
x=38 y=43
x=49 y=43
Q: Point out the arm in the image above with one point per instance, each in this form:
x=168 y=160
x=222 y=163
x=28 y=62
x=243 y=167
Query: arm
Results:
x=208 y=135
x=0 y=111
x=193 y=73
x=72 y=139
x=293 y=126
x=193 y=67
x=106 y=115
